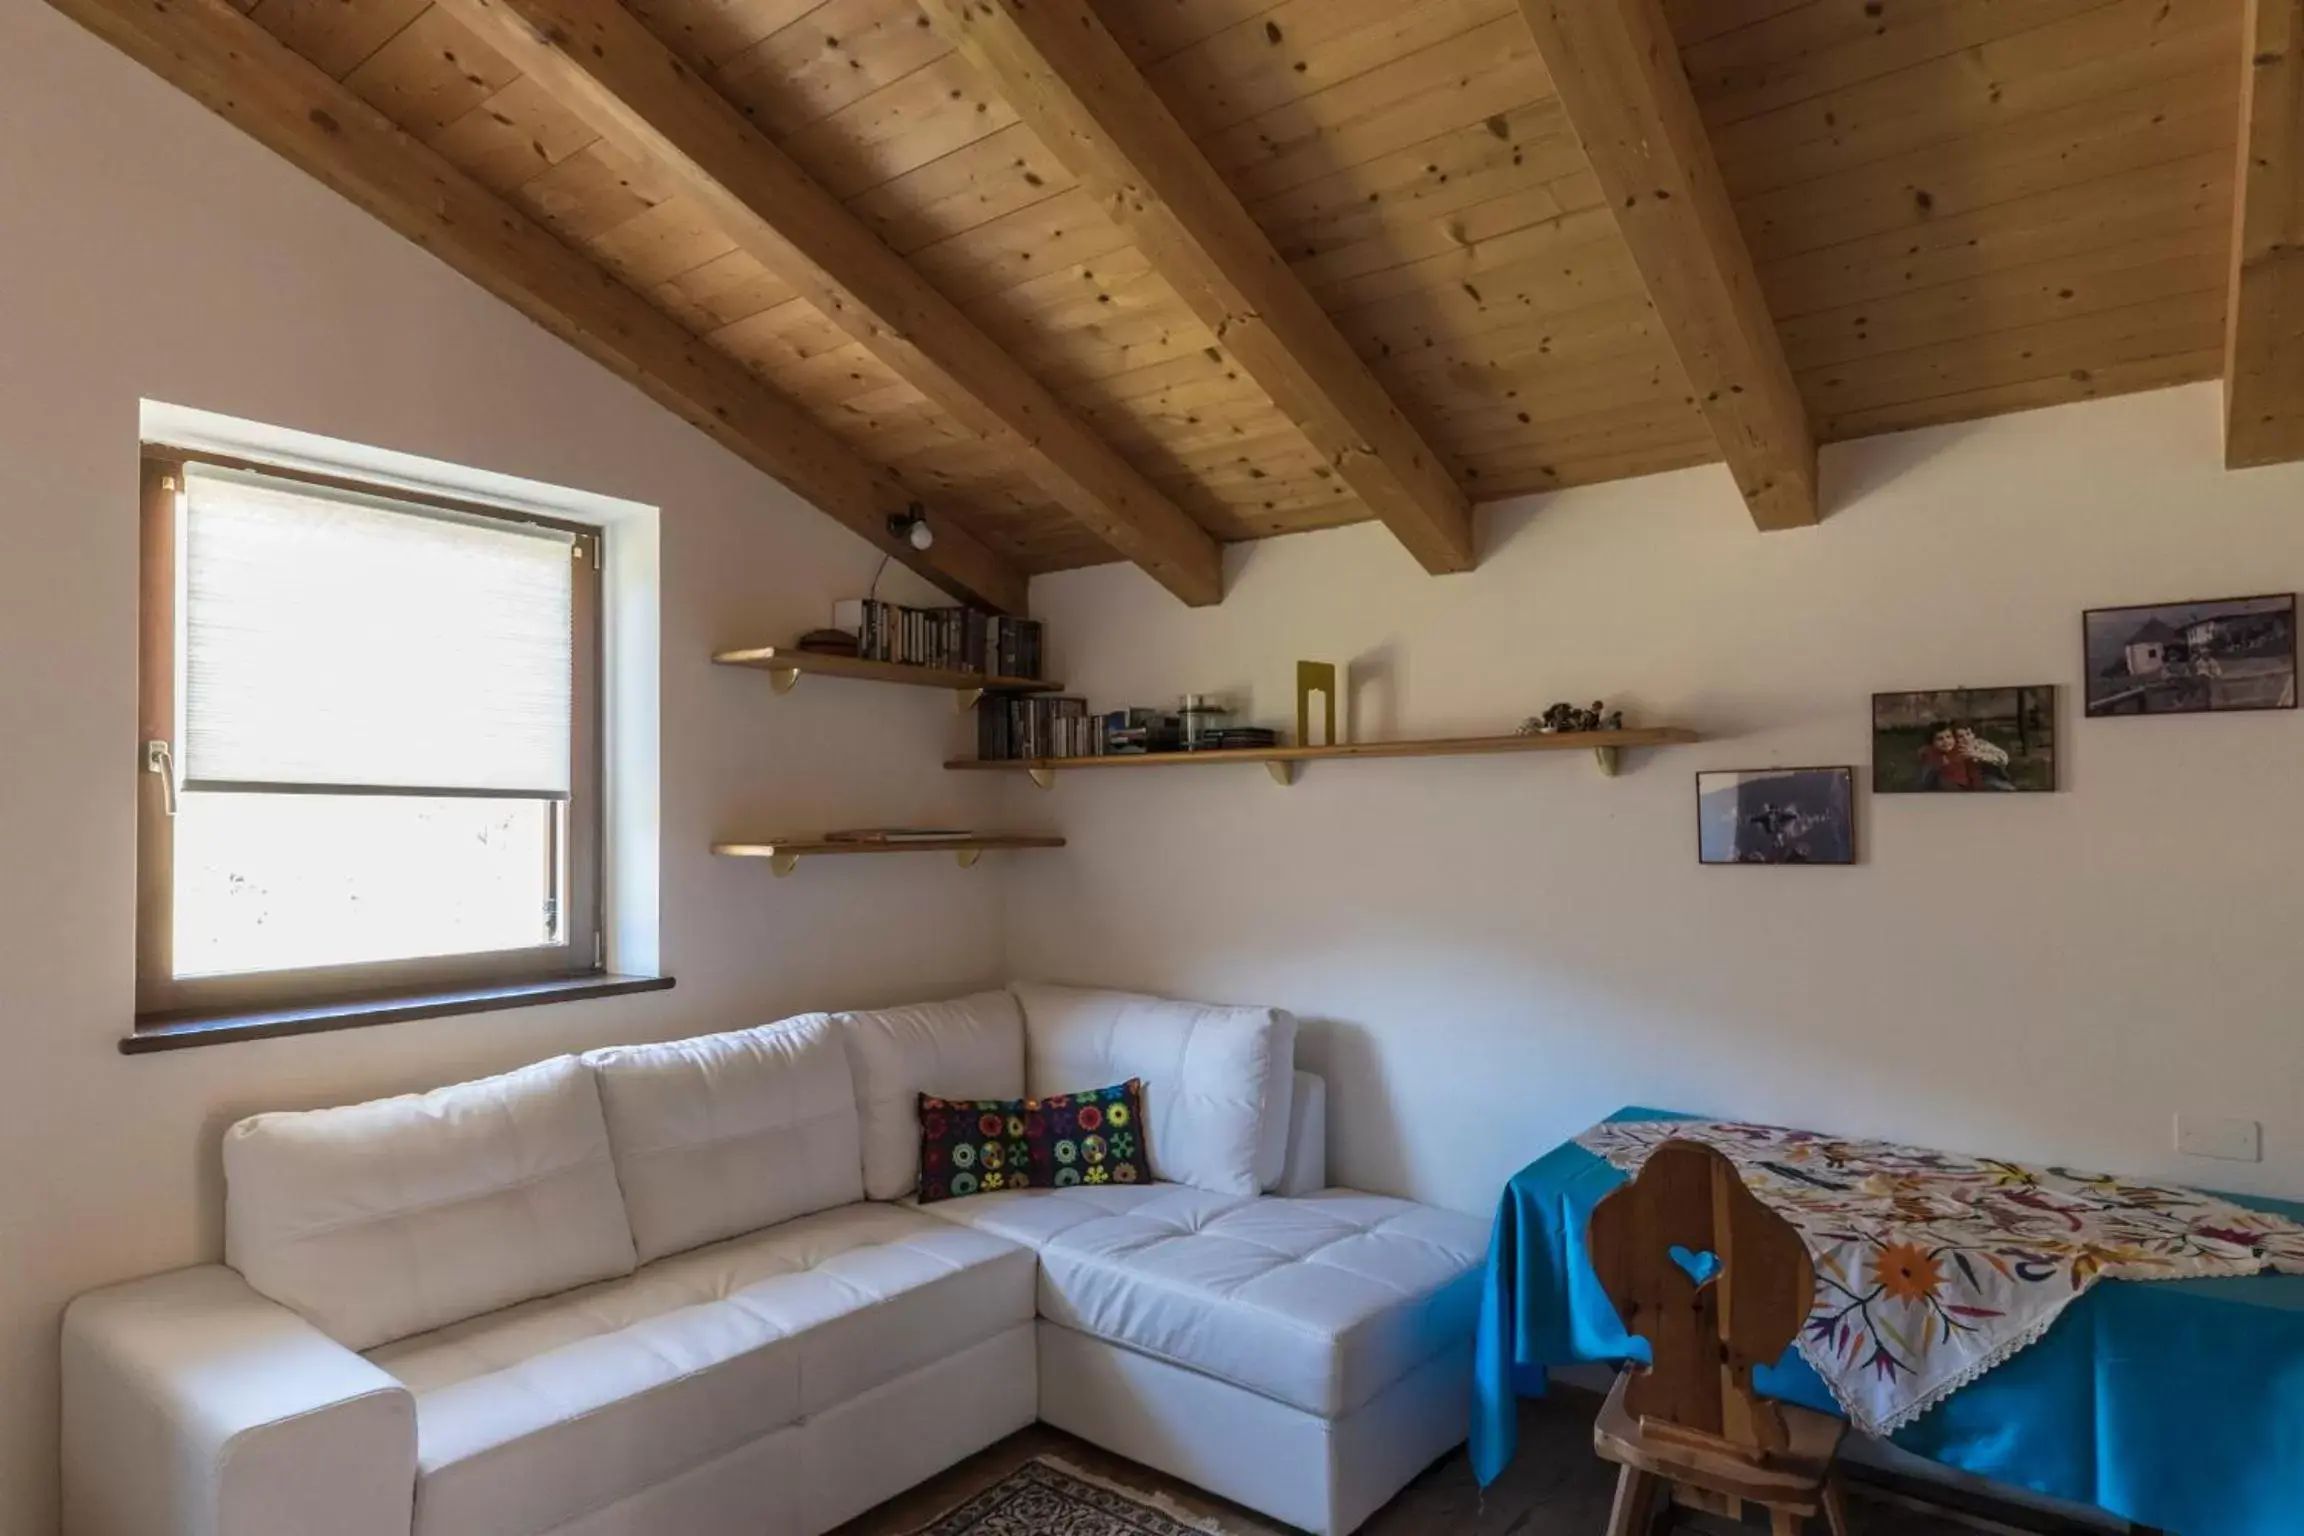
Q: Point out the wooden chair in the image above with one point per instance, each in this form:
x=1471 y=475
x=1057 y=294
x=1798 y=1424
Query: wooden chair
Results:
x=1717 y=1283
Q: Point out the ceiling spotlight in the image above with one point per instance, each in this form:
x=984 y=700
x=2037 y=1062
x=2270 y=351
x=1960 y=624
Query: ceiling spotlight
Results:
x=912 y=527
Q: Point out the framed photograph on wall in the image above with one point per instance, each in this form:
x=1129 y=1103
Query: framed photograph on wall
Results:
x=2223 y=654
x=1776 y=816
x=1958 y=740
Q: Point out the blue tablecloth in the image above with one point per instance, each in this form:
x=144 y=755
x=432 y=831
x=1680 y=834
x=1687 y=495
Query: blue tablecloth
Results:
x=2177 y=1404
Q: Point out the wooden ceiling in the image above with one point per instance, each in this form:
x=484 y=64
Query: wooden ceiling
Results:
x=1015 y=261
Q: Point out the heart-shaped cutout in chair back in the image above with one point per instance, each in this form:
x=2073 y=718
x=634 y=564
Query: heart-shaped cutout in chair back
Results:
x=1702 y=1268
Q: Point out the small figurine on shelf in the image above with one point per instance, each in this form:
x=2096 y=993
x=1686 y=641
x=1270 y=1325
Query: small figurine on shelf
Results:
x=1567 y=719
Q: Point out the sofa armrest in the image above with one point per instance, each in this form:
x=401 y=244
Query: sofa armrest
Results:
x=195 y=1407
x=1306 y=1172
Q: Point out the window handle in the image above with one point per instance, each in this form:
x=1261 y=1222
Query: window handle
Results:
x=158 y=759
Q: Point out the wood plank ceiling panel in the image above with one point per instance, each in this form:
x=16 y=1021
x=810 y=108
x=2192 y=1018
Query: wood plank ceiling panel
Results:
x=1077 y=86
x=333 y=34
x=871 y=103
x=1154 y=29
x=603 y=62
x=1618 y=73
x=1964 y=207
x=709 y=35
x=955 y=184
x=453 y=91
x=1412 y=164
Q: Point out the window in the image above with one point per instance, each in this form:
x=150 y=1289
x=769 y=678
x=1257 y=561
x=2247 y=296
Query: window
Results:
x=371 y=736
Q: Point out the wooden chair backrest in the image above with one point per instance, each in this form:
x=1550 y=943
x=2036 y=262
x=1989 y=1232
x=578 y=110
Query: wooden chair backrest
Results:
x=1704 y=1339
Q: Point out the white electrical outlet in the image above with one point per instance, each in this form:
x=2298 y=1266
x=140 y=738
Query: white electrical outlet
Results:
x=2235 y=1141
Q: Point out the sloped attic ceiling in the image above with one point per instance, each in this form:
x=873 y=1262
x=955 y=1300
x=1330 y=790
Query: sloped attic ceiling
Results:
x=943 y=256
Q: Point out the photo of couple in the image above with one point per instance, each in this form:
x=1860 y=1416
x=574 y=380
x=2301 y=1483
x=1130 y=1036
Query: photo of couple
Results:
x=1956 y=758
x=1964 y=741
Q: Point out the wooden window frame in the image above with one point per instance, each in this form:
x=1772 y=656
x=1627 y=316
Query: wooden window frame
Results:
x=165 y=1003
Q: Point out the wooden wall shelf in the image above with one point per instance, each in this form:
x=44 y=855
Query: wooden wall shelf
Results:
x=1283 y=762
x=785 y=853
x=784 y=665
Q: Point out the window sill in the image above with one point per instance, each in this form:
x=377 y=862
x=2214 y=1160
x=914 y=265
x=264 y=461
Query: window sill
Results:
x=175 y=1032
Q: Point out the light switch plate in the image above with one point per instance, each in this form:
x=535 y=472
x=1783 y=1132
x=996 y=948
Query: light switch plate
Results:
x=2235 y=1141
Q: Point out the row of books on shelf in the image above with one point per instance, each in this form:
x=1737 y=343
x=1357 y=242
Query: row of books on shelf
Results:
x=1038 y=725
x=956 y=639
x=1061 y=725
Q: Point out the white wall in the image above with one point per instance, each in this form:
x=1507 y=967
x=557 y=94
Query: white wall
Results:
x=147 y=249
x=1499 y=951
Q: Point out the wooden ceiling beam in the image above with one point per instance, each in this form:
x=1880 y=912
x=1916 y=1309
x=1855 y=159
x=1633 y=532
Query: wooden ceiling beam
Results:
x=2264 y=314
x=1618 y=74
x=1073 y=83
x=607 y=68
x=213 y=53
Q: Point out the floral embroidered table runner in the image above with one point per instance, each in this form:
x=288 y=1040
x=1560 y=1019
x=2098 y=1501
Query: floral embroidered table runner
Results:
x=1932 y=1268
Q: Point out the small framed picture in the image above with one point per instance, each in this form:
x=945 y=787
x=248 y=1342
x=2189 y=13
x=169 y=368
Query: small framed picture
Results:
x=2221 y=655
x=1955 y=740
x=1776 y=816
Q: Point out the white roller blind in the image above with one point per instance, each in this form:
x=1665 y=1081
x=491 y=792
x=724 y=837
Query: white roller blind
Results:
x=340 y=640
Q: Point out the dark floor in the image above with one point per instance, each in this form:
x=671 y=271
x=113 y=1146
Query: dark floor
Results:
x=1555 y=1487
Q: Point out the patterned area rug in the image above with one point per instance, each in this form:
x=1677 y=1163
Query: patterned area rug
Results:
x=1048 y=1497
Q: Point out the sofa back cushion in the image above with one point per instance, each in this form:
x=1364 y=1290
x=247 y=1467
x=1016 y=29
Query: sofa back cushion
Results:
x=377 y=1221
x=967 y=1048
x=1217 y=1080
x=725 y=1134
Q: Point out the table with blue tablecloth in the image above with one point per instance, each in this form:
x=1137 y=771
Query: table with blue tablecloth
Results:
x=2177 y=1404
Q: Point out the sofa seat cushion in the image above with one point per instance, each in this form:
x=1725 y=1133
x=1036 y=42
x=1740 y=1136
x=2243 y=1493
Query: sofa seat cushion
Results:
x=1319 y=1302
x=1034 y=1218
x=528 y=1417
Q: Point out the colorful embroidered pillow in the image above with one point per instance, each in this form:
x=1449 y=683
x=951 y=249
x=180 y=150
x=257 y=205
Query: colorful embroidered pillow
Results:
x=969 y=1146
x=977 y=1146
x=1095 y=1137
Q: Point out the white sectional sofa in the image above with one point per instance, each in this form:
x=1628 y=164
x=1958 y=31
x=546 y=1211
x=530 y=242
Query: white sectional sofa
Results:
x=684 y=1288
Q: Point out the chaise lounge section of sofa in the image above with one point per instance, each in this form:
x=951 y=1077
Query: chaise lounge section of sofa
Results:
x=687 y=1287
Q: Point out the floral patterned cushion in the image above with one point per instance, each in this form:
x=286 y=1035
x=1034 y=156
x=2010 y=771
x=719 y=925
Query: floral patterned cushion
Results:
x=976 y=1146
x=969 y=1146
x=1096 y=1137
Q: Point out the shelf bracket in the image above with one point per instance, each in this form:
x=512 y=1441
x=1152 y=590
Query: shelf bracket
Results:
x=1283 y=773
x=1044 y=777
x=1610 y=759
x=783 y=680
x=969 y=698
x=968 y=857
x=783 y=863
